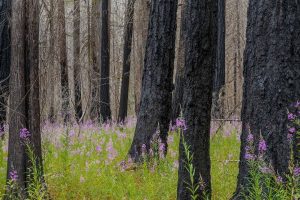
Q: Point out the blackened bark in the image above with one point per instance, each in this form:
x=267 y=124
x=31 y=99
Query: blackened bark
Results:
x=63 y=61
x=219 y=73
x=126 y=60
x=24 y=87
x=76 y=54
x=272 y=80
x=105 y=110
x=4 y=59
x=157 y=84
x=200 y=56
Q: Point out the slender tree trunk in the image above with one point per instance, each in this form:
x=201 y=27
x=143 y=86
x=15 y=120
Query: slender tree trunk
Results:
x=61 y=37
x=126 y=60
x=95 y=44
x=272 y=60
x=156 y=100
x=177 y=98
x=219 y=74
x=200 y=57
x=105 y=110
x=24 y=87
x=4 y=61
x=140 y=22
x=76 y=57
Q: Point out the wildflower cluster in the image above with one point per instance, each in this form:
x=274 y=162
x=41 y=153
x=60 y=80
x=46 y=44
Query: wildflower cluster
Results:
x=24 y=134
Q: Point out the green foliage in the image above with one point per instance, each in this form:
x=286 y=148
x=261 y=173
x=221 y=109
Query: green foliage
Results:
x=74 y=169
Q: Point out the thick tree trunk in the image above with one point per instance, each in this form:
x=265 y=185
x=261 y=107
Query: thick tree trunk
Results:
x=126 y=60
x=272 y=83
x=157 y=84
x=219 y=74
x=4 y=59
x=200 y=57
x=76 y=57
x=61 y=37
x=24 y=87
x=140 y=22
x=105 y=110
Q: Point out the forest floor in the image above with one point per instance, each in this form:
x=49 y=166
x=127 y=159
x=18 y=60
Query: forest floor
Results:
x=86 y=163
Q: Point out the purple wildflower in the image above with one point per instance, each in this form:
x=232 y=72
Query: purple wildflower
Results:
x=297 y=171
x=24 y=134
x=266 y=170
x=13 y=175
x=144 y=150
x=180 y=123
x=291 y=116
x=249 y=156
x=72 y=133
x=250 y=138
x=279 y=179
x=292 y=130
x=112 y=153
x=161 y=150
x=262 y=147
x=98 y=149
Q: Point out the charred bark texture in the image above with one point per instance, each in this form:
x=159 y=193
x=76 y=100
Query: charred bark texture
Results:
x=105 y=110
x=200 y=56
x=4 y=59
x=24 y=87
x=219 y=74
x=76 y=54
x=272 y=80
x=157 y=84
x=126 y=60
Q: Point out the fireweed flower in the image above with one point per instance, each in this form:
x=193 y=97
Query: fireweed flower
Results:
x=297 y=171
x=180 y=123
x=249 y=156
x=162 y=150
x=250 y=138
x=292 y=130
x=13 y=175
x=291 y=116
x=262 y=147
x=24 y=134
x=279 y=179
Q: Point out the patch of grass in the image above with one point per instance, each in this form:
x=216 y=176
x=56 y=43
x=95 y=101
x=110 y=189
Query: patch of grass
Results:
x=85 y=164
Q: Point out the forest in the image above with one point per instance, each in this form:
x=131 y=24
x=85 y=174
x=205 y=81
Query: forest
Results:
x=150 y=99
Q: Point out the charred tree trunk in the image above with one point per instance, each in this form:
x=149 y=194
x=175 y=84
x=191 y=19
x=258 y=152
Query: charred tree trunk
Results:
x=219 y=74
x=76 y=57
x=200 y=57
x=157 y=84
x=4 y=60
x=105 y=110
x=272 y=83
x=24 y=87
x=126 y=60
x=63 y=60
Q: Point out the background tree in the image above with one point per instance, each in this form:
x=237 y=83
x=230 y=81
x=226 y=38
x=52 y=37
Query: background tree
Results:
x=62 y=60
x=272 y=60
x=4 y=60
x=157 y=84
x=219 y=74
x=177 y=97
x=105 y=111
x=76 y=60
x=200 y=56
x=140 y=32
x=126 y=60
x=24 y=87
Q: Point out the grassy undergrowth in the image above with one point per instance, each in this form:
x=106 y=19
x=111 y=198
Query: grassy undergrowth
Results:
x=85 y=163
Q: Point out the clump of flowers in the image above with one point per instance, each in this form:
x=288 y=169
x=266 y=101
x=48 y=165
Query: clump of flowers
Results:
x=24 y=134
x=13 y=175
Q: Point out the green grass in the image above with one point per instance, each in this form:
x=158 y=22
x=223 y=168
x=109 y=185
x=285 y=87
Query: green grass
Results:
x=74 y=169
